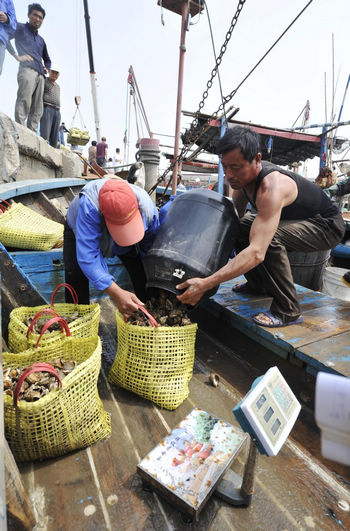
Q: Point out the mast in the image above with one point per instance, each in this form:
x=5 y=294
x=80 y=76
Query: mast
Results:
x=92 y=71
x=185 y=8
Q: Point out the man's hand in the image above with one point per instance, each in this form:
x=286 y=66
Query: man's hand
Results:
x=3 y=17
x=195 y=290
x=45 y=70
x=22 y=58
x=126 y=301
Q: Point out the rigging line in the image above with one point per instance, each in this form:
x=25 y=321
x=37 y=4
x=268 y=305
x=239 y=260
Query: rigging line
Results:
x=136 y=115
x=213 y=45
x=230 y=96
x=140 y=107
x=303 y=109
x=140 y=115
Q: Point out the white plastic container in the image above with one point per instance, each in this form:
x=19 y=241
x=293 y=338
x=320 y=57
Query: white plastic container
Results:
x=333 y=284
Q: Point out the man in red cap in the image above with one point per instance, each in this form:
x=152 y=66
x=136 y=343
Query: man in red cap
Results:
x=109 y=218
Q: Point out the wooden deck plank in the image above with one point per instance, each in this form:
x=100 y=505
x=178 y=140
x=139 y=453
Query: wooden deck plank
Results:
x=332 y=352
x=63 y=489
x=324 y=317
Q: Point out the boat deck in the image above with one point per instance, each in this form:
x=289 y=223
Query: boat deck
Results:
x=321 y=342
x=98 y=487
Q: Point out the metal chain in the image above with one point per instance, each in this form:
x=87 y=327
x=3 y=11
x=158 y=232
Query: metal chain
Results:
x=218 y=60
x=194 y=123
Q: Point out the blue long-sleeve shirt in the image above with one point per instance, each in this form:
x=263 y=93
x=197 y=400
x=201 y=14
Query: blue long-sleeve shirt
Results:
x=90 y=230
x=8 y=29
x=28 y=41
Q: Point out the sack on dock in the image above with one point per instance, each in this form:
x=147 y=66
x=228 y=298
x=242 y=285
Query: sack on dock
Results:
x=22 y=228
x=66 y=418
x=85 y=323
x=155 y=363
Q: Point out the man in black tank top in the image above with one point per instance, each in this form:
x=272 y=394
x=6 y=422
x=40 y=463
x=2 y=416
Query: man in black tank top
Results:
x=292 y=214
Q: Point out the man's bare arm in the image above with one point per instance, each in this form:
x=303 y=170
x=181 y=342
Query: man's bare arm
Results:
x=240 y=201
x=261 y=233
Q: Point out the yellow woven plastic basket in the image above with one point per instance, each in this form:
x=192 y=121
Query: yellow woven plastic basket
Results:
x=155 y=363
x=22 y=228
x=65 y=419
x=85 y=325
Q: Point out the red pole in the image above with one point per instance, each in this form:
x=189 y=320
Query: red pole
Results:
x=184 y=13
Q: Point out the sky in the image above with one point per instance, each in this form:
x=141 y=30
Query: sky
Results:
x=131 y=32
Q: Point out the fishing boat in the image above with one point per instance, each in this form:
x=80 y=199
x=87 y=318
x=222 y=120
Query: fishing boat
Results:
x=98 y=487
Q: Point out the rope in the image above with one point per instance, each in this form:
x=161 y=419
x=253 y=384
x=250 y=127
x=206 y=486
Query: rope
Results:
x=230 y=96
x=213 y=45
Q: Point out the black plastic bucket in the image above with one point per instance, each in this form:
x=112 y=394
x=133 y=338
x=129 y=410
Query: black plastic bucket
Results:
x=195 y=240
x=308 y=268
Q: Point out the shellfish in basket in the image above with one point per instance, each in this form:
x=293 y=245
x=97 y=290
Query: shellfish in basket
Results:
x=37 y=384
x=166 y=310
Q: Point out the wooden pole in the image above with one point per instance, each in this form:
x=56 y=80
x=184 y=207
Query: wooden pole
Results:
x=184 y=14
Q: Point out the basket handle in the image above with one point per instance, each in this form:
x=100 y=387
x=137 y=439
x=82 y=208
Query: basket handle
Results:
x=36 y=367
x=60 y=320
x=152 y=320
x=3 y=207
x=69 y=288
x=36 y=317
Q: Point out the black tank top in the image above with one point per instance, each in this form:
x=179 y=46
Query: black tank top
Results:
x=311 y=199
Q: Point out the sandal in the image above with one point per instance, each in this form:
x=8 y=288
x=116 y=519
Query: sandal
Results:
x=274 y=321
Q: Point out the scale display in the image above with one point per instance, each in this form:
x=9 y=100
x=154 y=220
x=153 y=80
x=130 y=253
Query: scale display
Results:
x=268 y=412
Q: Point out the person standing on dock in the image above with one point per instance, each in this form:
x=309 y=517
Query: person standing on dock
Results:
x=293 y=214
x=92 y=152
x=51 y=118
x=8 y=23
x=116 y=158
x=62 y=129
x=109 y=218
x=31 y=73
x=102 y=152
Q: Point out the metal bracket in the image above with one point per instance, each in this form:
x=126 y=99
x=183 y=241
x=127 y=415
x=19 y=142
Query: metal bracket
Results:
x=236 y=490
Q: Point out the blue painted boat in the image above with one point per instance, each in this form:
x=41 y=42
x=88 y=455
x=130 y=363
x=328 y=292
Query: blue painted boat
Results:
x=34 y=274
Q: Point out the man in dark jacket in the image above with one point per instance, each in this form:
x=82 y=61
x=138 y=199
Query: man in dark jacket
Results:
x=293 y=214
x=31 y=73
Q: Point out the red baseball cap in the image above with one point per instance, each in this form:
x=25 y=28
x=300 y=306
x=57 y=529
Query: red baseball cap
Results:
x=119 y=206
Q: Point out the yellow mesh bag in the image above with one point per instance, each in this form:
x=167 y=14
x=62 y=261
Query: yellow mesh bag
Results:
x=155 y=363
x=23 y=228
x=65 y=419
x=85 y=325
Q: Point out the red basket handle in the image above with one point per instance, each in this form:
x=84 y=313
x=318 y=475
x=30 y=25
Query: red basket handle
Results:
x=36 y=317
x=2 y=207
x=152 y=320
x=47 y=325
x=69 y=288
x=36 y=367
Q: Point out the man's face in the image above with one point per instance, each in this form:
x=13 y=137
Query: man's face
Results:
x=238 y=171
x=53 y=75
x=35 y=19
